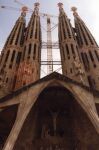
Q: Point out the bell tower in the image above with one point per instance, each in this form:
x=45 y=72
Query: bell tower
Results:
x=29 y=69
x=12 y=53
x=71 y=63
x=89 y=50
x=32 y=46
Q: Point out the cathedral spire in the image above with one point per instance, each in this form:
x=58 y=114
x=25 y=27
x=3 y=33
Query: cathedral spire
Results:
x=61 y=10
x=15 y=37
x=12 y=52
x=71 y=64
x=85 y=37
x=33 y=37
x=88 y=49
x=36 y=8
x=32 y=50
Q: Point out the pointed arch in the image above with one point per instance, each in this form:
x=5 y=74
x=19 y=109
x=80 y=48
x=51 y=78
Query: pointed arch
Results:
x=29 y=97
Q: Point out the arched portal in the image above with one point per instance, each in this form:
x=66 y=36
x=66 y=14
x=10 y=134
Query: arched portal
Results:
x=57 y=122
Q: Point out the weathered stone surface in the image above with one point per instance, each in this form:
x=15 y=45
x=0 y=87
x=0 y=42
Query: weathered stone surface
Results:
x=82 y=102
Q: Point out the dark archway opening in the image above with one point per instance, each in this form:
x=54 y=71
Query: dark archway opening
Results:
x=57 y=122
x=7 y=119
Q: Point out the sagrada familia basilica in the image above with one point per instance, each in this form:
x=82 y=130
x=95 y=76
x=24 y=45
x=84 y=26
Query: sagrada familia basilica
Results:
x=58 y=111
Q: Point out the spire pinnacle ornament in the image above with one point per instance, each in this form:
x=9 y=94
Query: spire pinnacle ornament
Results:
x=74 y=9
x=23 y=11
x=36 y=8
x=60 y=5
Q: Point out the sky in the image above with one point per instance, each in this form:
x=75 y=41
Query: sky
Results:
x=87 y=9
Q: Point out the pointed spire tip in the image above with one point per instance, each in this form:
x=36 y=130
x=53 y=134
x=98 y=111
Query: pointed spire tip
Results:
x=24 y=9
x=74 y=9
x=37 y=4
x=36 y=8
x=60 y=4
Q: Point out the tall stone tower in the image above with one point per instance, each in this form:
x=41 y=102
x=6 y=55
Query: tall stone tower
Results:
x=12 y=53
x=29 y=69
x=89 y=50
x=71 y=63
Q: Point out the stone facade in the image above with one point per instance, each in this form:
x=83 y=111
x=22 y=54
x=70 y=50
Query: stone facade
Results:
x=71 y=63
x=23 y=45
x=72 y=98
x=57 y=112
x=89 y=50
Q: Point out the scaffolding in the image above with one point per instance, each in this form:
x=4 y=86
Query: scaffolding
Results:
x=49 y=45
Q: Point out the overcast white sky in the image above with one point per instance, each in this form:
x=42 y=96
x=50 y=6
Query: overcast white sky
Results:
x=87 y=9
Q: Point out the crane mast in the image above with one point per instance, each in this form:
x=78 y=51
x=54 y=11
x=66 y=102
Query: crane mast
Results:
x=49 y=46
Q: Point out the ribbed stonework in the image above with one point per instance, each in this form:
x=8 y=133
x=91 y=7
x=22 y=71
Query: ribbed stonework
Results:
x=89 y=50
x=12 y=53
x=32 y=46
x=71 y=64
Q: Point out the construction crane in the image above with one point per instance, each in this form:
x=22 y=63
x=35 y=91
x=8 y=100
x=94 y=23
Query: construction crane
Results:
x=23 y=9
x=49 y=45
x=29 y=9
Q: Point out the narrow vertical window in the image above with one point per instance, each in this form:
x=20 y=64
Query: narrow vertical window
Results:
x=22 y=36
x=79 y=37
x=36 y=30
x=92 y=59
x=68 y=29
x=39 y=31
x=13 y=34
x=73 y=51
x=18 y=36
x=67 y=49
x=97 y=55
x=13 y=55
x=83 y=35
x=34 y=54
x=32 y=27
x=29 y=51
x=2 y=54
x=91 y=56
x=14 y=82
x=24 y=52
x=85 y=61
x=63 y=52
x=64 y=32
x=89 y=36
x=27 y=33
x=18 y=57
x=7 y=55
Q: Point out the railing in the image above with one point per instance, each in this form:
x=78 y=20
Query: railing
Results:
x=50 y=62
x=54 y=45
